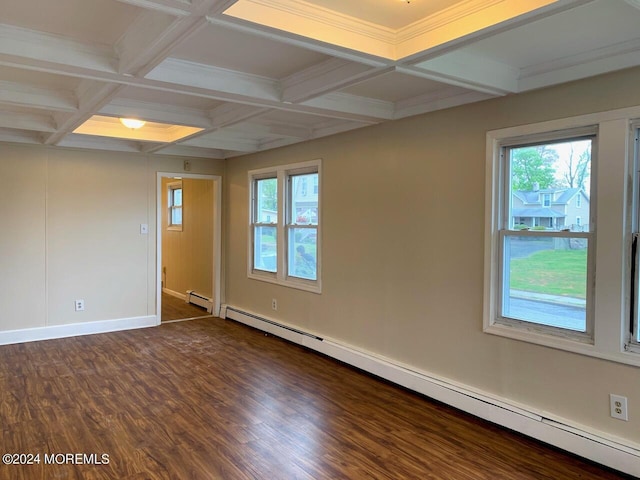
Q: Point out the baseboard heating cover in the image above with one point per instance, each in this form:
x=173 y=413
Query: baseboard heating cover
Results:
x=200 y=300
x=599 y=447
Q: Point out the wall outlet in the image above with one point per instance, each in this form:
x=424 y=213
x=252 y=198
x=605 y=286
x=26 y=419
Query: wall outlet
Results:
x=274 y=304
x=618 y=406
x=79 y=304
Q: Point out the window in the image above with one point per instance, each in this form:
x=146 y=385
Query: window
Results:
x=265 y=224
x=545 y=271
x=559 y=284
x=579 y=200
x=634 y=323
x=285 y=225
x=174 y=195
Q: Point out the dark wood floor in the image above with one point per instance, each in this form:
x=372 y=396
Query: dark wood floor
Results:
x=174 y=308
x=212 y=399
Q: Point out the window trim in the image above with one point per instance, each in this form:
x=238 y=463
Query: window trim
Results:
x=505 y=230
x=633 y=325
x=171 y=186
x=613 y=189
x=281 y=276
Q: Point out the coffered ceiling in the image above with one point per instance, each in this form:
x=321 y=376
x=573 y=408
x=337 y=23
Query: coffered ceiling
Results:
x=250 y=75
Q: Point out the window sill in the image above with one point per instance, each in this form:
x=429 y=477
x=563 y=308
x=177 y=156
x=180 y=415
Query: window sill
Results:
x=573 y=345
x=174 y=228
x=307 y=286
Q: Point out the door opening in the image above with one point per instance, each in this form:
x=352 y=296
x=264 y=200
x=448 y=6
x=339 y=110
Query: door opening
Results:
x=188 y=246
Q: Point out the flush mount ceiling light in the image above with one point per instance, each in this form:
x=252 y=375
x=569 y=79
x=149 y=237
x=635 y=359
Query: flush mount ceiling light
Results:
x=115 y=127
x=132 y=123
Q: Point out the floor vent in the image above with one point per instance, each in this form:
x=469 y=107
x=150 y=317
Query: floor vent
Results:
x=200 y=300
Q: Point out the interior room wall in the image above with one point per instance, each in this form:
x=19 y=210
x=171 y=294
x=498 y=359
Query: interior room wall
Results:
x=187 y=255
x=72 y=231
x=403 y=212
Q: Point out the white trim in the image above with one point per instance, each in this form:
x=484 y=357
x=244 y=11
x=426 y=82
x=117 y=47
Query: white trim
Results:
x=610 y=314
x=173 y=293
x=280 y=276
x=217 y=237
x=614 y=452
x=76 y=329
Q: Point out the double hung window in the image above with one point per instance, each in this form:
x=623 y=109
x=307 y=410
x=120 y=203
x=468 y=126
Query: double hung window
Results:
x=544 y=252
x=285 y=225
x=174 y=195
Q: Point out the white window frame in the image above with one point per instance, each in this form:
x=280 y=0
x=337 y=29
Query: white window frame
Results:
x=283 y=174
x=506 y=231
x=633 y=345
x=171 y=186
x=579 y=199
x=611 y=194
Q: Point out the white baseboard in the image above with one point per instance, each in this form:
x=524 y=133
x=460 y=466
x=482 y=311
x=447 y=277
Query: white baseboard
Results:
x=615 y=453
x=76 y=329
x=173 y=293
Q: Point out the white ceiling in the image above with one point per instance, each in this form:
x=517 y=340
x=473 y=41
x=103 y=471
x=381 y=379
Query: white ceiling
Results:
x=251 y=85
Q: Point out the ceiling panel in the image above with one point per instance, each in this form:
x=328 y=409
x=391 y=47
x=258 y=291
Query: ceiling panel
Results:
x=168 y=98
x=582 y=29
x=393 y=14
x=394 y=87
x=95 y=21
x=39 y=79
x=233 y=50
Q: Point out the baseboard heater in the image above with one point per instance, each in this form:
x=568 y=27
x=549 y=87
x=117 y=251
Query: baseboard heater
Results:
x=200 y=300
x=271 y=322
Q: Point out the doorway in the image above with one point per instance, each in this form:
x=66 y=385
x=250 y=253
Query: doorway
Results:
x=188 y=246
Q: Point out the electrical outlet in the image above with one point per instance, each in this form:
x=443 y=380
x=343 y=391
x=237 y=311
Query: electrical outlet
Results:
x=618 y=406
x=79 y=305
x=274 y=304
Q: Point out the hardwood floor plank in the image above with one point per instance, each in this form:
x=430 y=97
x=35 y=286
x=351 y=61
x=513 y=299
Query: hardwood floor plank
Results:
x=212 y=399
x=174 y=308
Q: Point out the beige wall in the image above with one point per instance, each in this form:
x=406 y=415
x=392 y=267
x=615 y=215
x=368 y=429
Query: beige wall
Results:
x=187 y=255
x=71 y=230
x=403 y=232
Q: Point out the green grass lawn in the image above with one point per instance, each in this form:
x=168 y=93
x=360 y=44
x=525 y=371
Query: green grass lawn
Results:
x=556 y=272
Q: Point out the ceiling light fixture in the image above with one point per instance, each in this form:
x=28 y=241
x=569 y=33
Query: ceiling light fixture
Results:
x=132 y=123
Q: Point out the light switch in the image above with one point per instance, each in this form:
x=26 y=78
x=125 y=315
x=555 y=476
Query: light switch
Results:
x=144 y=229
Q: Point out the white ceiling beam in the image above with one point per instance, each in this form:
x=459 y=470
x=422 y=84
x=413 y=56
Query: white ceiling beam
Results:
x=171 y=7
x=149 y=33
x=587 y=64
x=20 y=136
x=446 y=98
x=469 y=71
x=215 y=79
x=91 y=97
x=155 y=112
x=186 y=151
x=21 y=95
x=45 y=48
x=236 y=144
x=337 y=127
x=277 y=129
x=327 y=76
x=232 y=113
x=345 y=103
x=198 y=80
x=75 y=140
x=27 y=121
